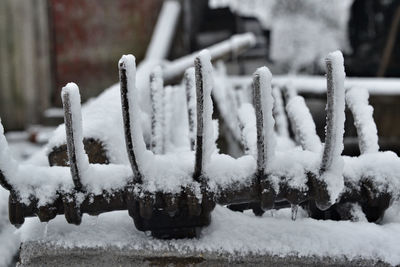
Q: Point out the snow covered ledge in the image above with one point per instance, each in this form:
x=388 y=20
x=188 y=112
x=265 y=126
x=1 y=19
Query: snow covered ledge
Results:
x=233 y=238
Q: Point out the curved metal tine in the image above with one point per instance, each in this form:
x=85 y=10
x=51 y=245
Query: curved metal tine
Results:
x=303 y=125
x=204 y=84
x=190 y=86
x=281 y=121
x=157 y=107
x=78 y=159
x=289 y=91
x=7 y=163
x=332 y=162
x=263 y=103
x=131 y=115
x=367 y=133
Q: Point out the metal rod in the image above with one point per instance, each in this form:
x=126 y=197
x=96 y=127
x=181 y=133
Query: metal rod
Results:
x=174 y=70
x=137 y=176
x=78 y=160
x=198 y=167
x=4 y=160
x=190 y=86
x=259 y=125
x=157 y=107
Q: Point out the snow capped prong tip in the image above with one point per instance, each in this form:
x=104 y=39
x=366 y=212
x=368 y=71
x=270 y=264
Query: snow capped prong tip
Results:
x=126 y=60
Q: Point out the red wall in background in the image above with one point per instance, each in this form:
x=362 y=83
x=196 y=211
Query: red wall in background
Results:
x=89 y=36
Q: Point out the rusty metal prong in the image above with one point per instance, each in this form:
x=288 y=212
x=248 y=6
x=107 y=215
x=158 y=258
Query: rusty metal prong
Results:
x=78 y=159
x=157 y=108
x=331 y=169
x=281 y=121
x=190 y=86
x=131 y=115
x=7 y=164
x=205 y=132
x=357 y=101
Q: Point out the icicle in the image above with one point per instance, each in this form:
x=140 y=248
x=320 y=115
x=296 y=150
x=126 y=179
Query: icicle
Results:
x=190 y=85
x=281 y=123
x=331 y=170
x=265 y=121
x=303 y=124
x=205 y=137
x=131 y=115
x=157 y=107
x=8 y=165
x=78 y=159
x=357 y=101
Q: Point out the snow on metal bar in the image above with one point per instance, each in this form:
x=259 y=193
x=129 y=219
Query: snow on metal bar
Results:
x=281 y=122
x=131 y=115
x=331 y=170
x=8 y=166
x=263 y=95
x=78 y=159
x=157 y=107
x=205 y=132
x=235 y=45
x=357 y=101
x=164 y=31
x=303 y=124
x=190 y=86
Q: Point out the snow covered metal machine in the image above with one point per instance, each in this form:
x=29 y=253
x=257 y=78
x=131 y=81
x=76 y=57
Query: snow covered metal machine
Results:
x=173 y=194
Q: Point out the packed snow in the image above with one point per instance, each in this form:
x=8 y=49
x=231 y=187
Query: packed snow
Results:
x=234 y=234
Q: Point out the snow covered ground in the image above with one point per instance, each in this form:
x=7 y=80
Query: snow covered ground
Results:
x=236 y=234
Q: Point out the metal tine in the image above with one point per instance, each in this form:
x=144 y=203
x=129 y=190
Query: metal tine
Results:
x=168 y=106
x=281 y=121
x=357 y=101
x=157 y=107
x=289 y=91
x=78 y=159
x=190 y=86
x=331 y=168
x=204 y=84
x=303 y=125
x=7 y=163
x=131 y=115
x=263 y=103
x=247 y=124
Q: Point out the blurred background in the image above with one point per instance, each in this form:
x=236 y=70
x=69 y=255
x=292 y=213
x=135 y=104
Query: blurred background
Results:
x=46 y=43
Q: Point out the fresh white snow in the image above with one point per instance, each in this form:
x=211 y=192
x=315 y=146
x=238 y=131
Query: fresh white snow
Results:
x=303 y=124
x=267 y=104
x=233 y=233
x=357 y=101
